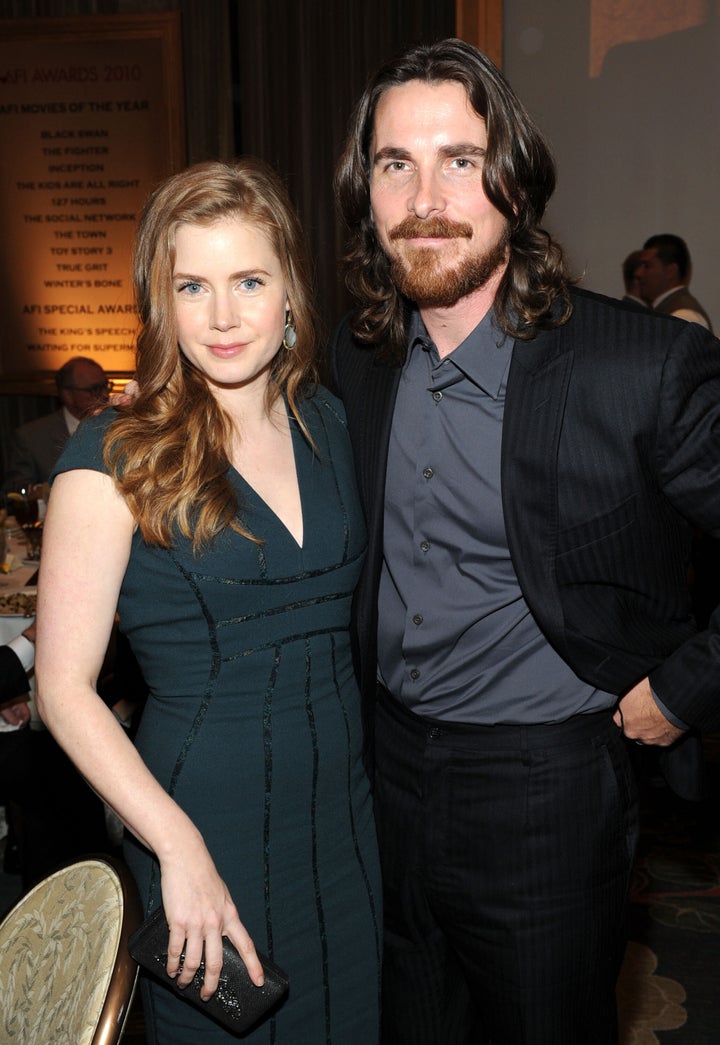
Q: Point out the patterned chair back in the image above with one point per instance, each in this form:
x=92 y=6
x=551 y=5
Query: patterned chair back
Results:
x=66 y=976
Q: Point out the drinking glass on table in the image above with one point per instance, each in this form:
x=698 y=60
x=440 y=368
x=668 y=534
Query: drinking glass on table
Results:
x=3 y=538
x=28 y=504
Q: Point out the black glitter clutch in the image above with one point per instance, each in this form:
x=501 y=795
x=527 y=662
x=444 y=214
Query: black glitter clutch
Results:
x=237 y=1003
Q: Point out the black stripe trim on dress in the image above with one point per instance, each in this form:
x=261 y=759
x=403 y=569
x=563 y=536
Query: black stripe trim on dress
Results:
x=214 y=672
x=314 y=840
x=267 y=811
x=351 y=813
x=285 y=608
x=300 y=637
x=154 y=885
x=292 y=579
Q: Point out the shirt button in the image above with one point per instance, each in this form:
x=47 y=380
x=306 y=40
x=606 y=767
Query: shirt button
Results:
x=418 y=618
x=437 y=396
x=425 y=546
x=428 y=473
x=414 y=674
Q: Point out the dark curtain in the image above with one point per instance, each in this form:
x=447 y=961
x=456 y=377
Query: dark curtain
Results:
x=301 y=65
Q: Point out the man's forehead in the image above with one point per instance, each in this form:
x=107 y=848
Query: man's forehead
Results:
x=88 y=369
x=404 y=110
x=451 y=92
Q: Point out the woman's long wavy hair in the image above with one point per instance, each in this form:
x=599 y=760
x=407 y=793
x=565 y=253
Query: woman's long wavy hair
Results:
x=518 y=178
x=167 y=450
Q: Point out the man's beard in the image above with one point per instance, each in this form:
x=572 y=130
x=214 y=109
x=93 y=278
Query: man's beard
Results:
x=419 y=275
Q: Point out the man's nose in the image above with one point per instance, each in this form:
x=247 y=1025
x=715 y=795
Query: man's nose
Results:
x=428 y=197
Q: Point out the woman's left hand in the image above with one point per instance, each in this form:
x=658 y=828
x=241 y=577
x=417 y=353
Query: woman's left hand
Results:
x=200 y=911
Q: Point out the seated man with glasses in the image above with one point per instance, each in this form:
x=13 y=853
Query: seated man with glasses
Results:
x=82 y=386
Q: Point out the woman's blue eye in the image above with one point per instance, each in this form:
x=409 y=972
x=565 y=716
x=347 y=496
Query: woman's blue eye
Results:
x=251 y=283
x=190 y=287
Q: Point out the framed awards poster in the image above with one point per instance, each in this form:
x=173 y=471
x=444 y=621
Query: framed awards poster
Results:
x=91 y=119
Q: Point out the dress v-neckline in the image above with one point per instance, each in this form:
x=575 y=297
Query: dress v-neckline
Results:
x=261 y=499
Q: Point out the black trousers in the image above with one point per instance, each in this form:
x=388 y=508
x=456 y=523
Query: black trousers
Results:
x=506 y=855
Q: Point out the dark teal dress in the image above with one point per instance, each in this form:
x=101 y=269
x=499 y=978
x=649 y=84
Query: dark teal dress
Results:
x=252 y=724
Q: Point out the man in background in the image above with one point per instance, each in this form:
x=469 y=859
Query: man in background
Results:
x=631 y=279
x=82 y=386
x=664 y=276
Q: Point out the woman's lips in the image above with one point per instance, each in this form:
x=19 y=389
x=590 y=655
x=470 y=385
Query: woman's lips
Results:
x=227 y=350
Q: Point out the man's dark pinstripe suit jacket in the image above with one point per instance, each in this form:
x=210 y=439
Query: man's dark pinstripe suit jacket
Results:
x=610 y=459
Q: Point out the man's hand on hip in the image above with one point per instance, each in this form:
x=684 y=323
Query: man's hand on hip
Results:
x=641 y=719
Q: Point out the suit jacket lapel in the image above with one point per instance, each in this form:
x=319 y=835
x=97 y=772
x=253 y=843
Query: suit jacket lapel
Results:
x=379 y=393
x=370 y=398
x=535 y=402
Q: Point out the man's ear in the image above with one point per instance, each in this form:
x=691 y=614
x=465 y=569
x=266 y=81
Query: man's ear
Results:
x=677 y=279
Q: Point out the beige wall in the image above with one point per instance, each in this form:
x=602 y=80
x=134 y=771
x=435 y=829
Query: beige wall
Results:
x=637 y=145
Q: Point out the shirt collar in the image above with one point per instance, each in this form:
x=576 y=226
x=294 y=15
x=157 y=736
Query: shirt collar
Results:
x=483 y=357
x=71 y=422
x=667 y=293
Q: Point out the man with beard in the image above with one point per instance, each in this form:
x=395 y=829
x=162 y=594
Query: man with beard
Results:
x=531 y=459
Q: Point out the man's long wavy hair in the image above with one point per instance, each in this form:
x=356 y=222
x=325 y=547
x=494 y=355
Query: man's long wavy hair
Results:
x=518 y=178
x=167 y=450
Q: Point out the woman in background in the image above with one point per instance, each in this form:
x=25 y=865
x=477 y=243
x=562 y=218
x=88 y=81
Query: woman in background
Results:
x=218 y=513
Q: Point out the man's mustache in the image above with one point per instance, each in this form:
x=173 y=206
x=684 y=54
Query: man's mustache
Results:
x=431 y=228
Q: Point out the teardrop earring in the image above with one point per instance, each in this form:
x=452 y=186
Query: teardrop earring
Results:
x=289 y=334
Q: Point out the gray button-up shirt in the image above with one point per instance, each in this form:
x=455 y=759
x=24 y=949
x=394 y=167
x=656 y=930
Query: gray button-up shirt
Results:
x=456 y=638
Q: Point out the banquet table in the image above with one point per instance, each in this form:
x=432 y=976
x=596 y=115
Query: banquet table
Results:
x=21 y=578
x=17 y=579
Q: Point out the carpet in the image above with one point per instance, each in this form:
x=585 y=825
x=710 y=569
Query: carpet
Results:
x=668 y=992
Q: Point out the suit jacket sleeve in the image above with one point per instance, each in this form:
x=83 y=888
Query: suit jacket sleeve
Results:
x=688 y=455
